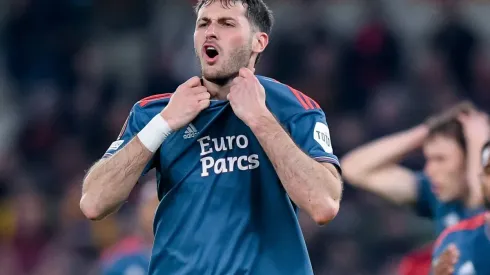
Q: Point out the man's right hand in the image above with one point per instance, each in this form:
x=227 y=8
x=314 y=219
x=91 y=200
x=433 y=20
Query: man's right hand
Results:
x=444 y=265
x=186 y=103
x=476 y=127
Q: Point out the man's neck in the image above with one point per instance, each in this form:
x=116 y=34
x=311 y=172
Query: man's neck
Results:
x=217 y=91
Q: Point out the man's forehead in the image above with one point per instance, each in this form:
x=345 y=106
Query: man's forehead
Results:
x=216 y=9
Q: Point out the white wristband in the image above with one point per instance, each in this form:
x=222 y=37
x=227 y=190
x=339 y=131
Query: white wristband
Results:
x=154 y=133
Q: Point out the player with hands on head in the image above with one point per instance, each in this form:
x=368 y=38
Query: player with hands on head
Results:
x=447 y=190
x=236 y=156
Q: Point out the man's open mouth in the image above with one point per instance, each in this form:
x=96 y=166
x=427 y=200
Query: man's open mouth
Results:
x=211 y=51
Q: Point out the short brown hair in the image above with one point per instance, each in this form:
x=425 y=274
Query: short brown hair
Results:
x=452 y=129
x=257 y=12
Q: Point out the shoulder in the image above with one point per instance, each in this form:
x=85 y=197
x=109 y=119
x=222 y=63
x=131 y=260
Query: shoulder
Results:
x=152 y=104
x=154 y=99
x=285 y=101
x=464 y=227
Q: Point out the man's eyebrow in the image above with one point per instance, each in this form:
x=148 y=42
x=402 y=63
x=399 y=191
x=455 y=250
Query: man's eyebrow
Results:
x=204 y=18
x=224 y=18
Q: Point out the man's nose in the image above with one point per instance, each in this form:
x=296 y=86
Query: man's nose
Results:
x=211 y=32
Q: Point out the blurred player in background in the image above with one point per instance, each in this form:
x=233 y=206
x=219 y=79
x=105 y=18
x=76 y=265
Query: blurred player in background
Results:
x=132 y=254
x=448 y=189
x=464 y=248
x=235 y=154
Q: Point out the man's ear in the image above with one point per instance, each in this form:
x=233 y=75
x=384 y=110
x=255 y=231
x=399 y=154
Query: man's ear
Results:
x=260 y=42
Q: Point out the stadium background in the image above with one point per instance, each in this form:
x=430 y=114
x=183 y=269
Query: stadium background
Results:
x=71 y=69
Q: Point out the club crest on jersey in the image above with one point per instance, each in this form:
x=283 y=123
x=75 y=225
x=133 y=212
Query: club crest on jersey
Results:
x=190 y=132
x=321 y=134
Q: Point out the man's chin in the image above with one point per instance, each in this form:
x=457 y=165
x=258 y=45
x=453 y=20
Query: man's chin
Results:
x=217 y=76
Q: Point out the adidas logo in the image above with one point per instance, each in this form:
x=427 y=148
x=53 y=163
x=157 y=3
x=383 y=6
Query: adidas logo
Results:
x=190 y=132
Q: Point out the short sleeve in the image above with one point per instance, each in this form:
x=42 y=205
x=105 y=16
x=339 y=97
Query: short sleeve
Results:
x=136 y=120
x=310 y=132
x=426 y=200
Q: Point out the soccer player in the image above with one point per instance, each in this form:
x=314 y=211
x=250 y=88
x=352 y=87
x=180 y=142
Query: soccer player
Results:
x=447 y=191
x=131 y=255
x=236 y=155
x=464 y=249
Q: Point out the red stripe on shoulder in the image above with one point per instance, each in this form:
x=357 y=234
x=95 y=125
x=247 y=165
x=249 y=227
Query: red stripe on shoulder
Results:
x=149 y=99
x=306 y=99
x=310 y=101
x=315 y=104
x=303 y=99
x=468 y=224
x=299 y=97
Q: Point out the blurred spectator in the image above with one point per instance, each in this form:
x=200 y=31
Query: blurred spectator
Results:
x=456 y=42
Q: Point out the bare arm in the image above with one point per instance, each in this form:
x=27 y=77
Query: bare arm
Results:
x=110 y=181
x=473 y=170
x=476 y=132
x=374 y=167
x=313 y=186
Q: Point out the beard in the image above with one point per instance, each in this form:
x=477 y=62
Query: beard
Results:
x=228 y=69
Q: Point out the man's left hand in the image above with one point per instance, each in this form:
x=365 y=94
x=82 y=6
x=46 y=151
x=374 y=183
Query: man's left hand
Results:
x=247 y=97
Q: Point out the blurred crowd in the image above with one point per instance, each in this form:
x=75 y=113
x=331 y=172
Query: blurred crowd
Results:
x=70 y=71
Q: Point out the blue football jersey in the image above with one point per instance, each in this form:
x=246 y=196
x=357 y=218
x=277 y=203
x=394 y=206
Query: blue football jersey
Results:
x=129 y=257
x=471 y=237
x=444 y=214
x=223 y=209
